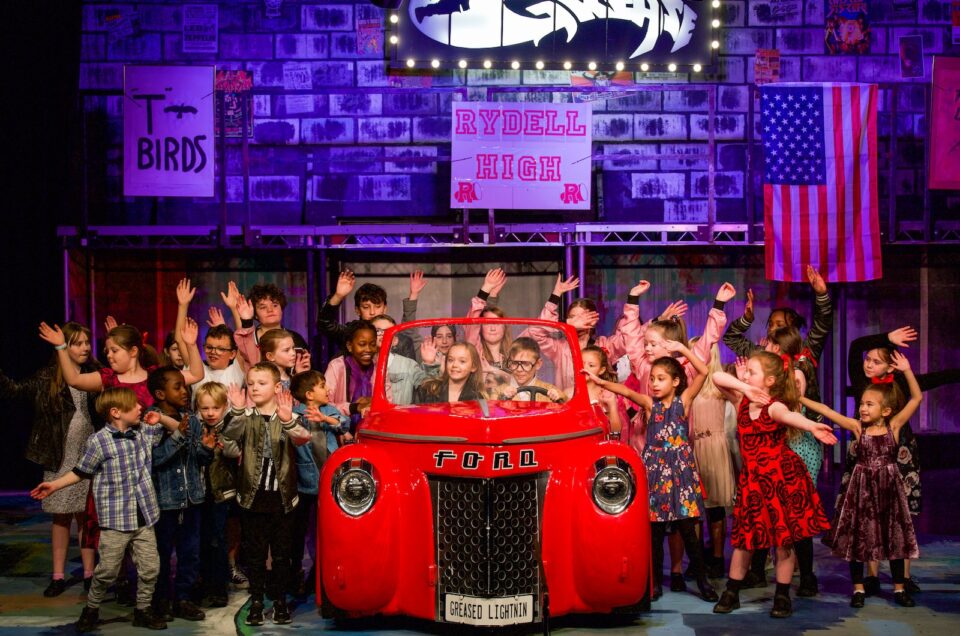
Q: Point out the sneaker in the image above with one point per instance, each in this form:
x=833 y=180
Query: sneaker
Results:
x=903 y=599
x=782 y=606
x=729 y=601
x=237 y=577
x=89 y=618
x=808 y=586
x=255 y=614
x=56 y=588
x=146 y=618
x=281 y=613
x=188 y=611
x=677 y=584
x=857 y=600
x=910 y=585
x=871 y=585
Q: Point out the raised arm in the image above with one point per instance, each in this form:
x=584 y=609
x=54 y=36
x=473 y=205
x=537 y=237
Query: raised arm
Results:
x=822 y=323
x=493 y=281
x=185 y=293
x=734 y=338
x=900 y=363
x=328 y=320
x=189 y=334
x=89 y=382
x=823 y=432
x=716 y=320
x=839 y=419
x=645 y=402
x=25 y=389
x=697 y=382
x=733 y=389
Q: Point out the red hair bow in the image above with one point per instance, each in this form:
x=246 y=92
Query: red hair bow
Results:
x=807 y=355
x=144 y=336
x=887 y=379
x=786 y=361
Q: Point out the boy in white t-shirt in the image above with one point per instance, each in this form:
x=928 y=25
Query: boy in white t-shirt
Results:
x=221 y=364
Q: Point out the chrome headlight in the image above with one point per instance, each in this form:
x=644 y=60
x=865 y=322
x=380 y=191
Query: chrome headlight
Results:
x=613 y=487
x=354 y=488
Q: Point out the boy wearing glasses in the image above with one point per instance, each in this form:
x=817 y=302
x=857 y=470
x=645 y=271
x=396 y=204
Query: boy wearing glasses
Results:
x=523 y=362
x=221 y=364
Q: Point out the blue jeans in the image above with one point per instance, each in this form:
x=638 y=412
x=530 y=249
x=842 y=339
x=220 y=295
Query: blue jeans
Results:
x=214 y=567
x=178 y=530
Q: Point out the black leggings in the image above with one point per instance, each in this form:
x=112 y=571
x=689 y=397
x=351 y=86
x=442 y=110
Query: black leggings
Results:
x=688 y=532
x=896 y=571
x=804 y=548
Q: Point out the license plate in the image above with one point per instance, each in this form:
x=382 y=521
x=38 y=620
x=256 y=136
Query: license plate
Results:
x=471 y=610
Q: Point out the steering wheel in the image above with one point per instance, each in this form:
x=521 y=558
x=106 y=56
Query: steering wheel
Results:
x=534 y=391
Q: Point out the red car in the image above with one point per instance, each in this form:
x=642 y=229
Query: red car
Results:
x=486 y=510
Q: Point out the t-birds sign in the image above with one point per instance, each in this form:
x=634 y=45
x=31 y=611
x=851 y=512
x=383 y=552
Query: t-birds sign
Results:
x=554 y=33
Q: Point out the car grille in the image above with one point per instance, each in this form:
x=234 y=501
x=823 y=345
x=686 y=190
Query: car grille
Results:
x=488 y=536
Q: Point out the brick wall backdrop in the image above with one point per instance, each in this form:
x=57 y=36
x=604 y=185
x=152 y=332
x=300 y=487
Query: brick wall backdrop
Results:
x=341 y=149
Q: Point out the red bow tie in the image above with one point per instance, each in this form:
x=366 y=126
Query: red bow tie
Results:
x=887 y=379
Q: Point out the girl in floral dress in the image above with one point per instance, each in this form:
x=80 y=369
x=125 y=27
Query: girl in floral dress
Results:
x=676 y=495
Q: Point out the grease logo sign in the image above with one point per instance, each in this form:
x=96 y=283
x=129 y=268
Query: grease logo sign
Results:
x=605 y=31
x=521 y=156
x=168 y=131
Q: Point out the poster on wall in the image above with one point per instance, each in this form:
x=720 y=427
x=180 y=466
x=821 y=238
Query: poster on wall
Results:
x=847 y=27
x=200 y=28
x=945 y=125
x=235 y=89
x=766 y=66
x=168 y=131
x=521 y=156
x=911 y=56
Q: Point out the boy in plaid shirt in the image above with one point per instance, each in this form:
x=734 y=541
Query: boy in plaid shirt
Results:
x=127 y=508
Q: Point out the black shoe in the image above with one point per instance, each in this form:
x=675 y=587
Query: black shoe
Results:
x=89 y=618
x=910 y=585
x=808 y=586
x=871 y=585
x=188 y=611
x=856 y=601
x=752 y=579
x=87 y=582
x=903 y=599
x=281 y=613
x=715 y=569
x=677 y=584
x=162 y=610
x=125 y=593
x=56 y=588
x=782 y=606
x=255 y=615
x=729 y=601
x=146 y=618
x=707 y=592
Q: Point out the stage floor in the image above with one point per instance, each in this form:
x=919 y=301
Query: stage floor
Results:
x=25 y=558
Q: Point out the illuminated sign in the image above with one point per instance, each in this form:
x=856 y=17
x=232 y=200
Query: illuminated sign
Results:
x=553 y=34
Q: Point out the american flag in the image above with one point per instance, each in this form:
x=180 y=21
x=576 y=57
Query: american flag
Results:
x=820 y=181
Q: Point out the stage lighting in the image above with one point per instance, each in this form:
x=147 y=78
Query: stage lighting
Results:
x=644 y=67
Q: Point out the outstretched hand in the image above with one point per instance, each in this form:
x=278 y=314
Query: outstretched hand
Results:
x=902 y=336
x=185 y=292
x=232 y=295
x=562 y=286
x=640 y=288
x=190 y=331
x=592 y=377
x=900 y=362
x=748 y=308
x=345 y=283
x=53 y=335
x=110 y=323
x=428 y=351
x=43 y=490
x=244 y=308
x=726 y=292
x=284 y=405
x=495 y=279
x=235 y=394
x=584 y=321
x=824 y=433
x=417 y=283
x=673 y=346
x=215 y=317
x=741 y=366
x=677 y=308
x=816 y=280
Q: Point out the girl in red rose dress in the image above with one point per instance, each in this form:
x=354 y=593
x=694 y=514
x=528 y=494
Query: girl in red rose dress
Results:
x=777 y=504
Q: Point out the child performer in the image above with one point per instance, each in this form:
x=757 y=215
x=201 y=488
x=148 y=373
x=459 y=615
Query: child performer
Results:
x=776 y=501
x=674 y=484
x=872 y=522
x=606 y=402
x=523 y=362
x=178 y=462
x=126 y=507
x=221 y=487
x=461 y=380
x=267 y=481
x=350 y=376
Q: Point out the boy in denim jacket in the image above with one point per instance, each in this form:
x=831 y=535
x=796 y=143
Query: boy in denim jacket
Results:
x=179 y=481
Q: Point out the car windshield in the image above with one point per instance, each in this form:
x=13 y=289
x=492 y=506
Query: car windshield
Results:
x=527 y=366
